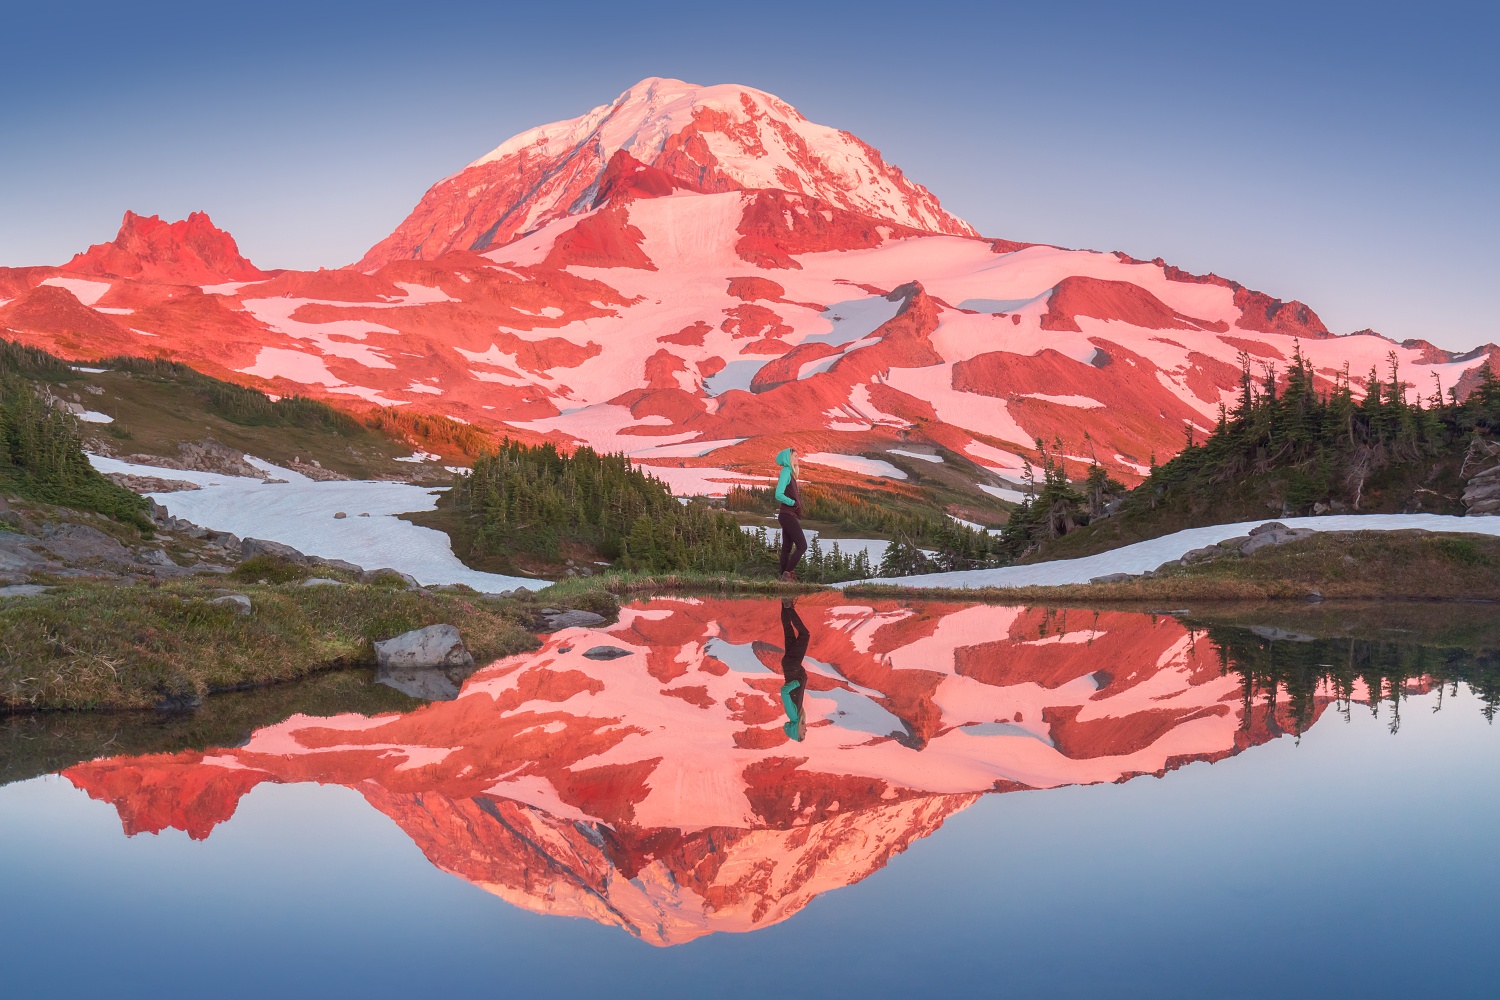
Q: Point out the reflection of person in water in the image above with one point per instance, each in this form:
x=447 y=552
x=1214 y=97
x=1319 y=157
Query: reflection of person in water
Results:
x=794 y=636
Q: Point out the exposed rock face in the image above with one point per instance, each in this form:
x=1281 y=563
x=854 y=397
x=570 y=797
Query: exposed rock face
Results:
x=1482 y=486
x=436 y=646
x=252 y=547
x=193 y=251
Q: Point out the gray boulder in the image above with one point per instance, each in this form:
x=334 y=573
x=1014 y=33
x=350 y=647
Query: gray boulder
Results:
x=559 y=620
x=239 y=603
x=436 y=646
x=252 y=547
x=321 y=581
x=371 y=575
x=340 y=565
x=155 y=557
x=606 y=653
x=23 y=590
x=79 y=543
x=1112 y=578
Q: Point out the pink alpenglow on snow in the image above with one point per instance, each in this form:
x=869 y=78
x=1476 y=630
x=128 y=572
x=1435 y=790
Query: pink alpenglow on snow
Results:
x=695 y=264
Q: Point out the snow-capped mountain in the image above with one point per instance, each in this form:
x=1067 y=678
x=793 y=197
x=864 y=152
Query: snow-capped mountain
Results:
x=698 y=276
x=660 y=793
x=723 y=138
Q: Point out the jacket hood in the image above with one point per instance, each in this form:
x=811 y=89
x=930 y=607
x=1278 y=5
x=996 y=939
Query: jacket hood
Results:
x=784 y=458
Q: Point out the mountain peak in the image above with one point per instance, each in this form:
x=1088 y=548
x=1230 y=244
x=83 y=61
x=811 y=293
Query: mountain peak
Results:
x=190 y=251
x=725 y=137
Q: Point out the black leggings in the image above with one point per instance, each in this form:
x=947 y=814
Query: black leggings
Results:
x=793 y=541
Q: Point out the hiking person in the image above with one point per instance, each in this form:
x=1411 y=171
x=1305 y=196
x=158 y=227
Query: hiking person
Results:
x=794 y=636
x=789 y=513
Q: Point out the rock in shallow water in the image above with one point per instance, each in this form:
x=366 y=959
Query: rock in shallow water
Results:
x=436 y=646
x=556 y=621
x=606 y=653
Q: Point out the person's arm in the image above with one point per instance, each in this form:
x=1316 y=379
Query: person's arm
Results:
x=782 y=482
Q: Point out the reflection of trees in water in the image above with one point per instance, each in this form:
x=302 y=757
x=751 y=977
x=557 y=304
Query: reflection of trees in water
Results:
x=1306 y=671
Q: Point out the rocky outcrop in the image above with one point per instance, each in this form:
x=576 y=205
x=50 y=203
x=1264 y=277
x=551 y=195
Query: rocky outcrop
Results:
x=1481 y=470
x=436 y=646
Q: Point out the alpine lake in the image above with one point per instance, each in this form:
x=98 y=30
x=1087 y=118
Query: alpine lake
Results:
x=832 y=797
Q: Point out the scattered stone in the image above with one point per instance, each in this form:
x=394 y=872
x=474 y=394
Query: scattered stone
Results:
x=155 y=557
x=551 y=611
x=1112 y=578
x=252 y=547
x=152 y=484
x=321 y=581
x=556 y=621
x=338 y=564
x=374 y=575
x=1315 y=596
x=1280 y=634
x=564 y=649
x=268 y=481
x=436 y=646
x=606 y=653
x=340 y=516
x=239 y=602
x=364 y=515
x=23 y=590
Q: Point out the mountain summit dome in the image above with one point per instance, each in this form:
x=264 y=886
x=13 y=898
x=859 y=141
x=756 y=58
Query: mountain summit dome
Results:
x=720 y=138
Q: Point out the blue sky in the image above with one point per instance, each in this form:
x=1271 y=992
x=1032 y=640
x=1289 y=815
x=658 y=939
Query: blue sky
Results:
x=1342 y=154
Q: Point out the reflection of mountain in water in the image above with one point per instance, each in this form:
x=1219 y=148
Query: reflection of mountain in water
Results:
x=660 y=792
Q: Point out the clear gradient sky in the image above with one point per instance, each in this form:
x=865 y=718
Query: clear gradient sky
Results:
x=1341 y=154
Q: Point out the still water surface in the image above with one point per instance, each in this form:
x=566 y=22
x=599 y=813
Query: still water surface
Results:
x=845 y=798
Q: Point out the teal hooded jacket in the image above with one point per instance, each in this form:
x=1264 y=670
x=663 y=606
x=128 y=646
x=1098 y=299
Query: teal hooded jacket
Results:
x=784 y=459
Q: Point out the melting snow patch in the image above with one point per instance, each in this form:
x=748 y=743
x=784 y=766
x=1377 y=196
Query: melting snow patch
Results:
x=1148 y=555
x=420 y=456
x=95 y=417
x=294 y=366
x=1001 y=493
x=1082 y=402
x=920 y=456
x=299 y=513
x=85 y=291
x=855 y=463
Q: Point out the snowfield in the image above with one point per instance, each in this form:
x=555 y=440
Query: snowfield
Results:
x=299 y=513
x=1150 y=554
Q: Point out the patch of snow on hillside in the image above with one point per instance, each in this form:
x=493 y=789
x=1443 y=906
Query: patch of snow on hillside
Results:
x=691 y=482
x=95 y=417
x=604 y=427
x=692 y=449
x=1082 y=402
x=300 y=513
x=855 y=319
x=967 y=410
x=1148 y=555
x=277 y=312
x=113 y=311
x=856 y=464
x=1002 y=493
x=83 y=289
x=995 y=459
x=921 y=456
x=278 y=362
